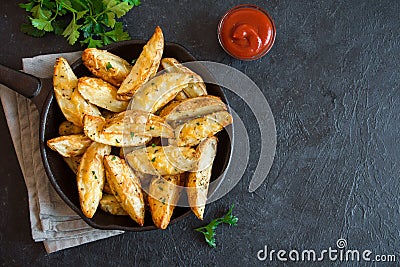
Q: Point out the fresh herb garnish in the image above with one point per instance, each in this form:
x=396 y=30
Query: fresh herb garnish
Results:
x=109 y=66
x=94 y=174
x=151 y=127
x=209 y=230
x=153 y=145
x=116 y=140
x=133 y=61
x=92 y=22
x=153 y=159
x=114 y=158
x=132 y=134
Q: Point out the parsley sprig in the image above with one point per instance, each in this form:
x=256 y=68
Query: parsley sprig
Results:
x=209 y=230
x=92 y=22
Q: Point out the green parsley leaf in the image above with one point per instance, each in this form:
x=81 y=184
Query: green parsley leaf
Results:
x=209 y=230
x=153 y=145
x=93 y=22
x=109 y=66
x=42 y=24
x=116 y=140
x=132 y=134
x=153 y=159
x=32 y=31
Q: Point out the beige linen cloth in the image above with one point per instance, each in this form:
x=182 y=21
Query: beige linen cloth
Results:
x=52 y=221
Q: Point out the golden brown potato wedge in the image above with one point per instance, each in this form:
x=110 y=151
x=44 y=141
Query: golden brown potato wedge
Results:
x=194 y=131
x=145 y=67
x=105 y=65
x=141 y=123
x=90 y=177
x=73 y=163
x=162 y=160
x=101 y=94
x=106 y=188
x=161 y=89
x=180 y=96
x=71 y=103
x=198 y=181
x=194 y=89
x=126 y=187
x=163 y=196
x=93 y=128
x=110 y=204
x=179 y=111
x=70 y=145
x=68 y=128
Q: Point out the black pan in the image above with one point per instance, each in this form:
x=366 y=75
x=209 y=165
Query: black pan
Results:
x=40 y=91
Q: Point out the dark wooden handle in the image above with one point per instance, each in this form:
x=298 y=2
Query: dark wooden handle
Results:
x=22 y=83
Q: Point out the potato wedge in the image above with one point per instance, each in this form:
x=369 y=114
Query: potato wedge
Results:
x=163 y=195
x=70 y=145
x=71 y=103
x=157 y=92
x=101 y=94
x=162 y=160
x=194 y=89
x=110 y=204
x=105 y=65
x=136 y=122
x=90 y=177
x=176 y=112
x=194 y=131
x=180 y=96
x=198 y=181
x=68 y=128
x=93 y=128
x=126 y=187
x=73 y=163
x=106 y=188
x=146 y=66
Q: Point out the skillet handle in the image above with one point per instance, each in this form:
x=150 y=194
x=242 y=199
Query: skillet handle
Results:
x=22 y=83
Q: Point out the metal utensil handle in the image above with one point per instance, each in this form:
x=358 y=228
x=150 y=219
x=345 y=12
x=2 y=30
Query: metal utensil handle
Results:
x=22 y=83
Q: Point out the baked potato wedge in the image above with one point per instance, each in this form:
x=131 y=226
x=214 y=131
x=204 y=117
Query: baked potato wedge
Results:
x=179 y=111
x=70 y=145
x=162 y=160
x=194 y=131
x=71 y=103
x=110 y=204
x=68 y=128
x=126 y=187
x=105 y=65
x=106 y=188
x=198 y=181
x=180 y=96
x=93 y=128
x=90 y=177
x=101 y=94
x=163 y=195
x=146 y=66
x=160 y=90
x=73 y=163
x=194 y=89
x=137 y=122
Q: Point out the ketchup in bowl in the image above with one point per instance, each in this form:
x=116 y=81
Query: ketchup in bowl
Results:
x=246 y=32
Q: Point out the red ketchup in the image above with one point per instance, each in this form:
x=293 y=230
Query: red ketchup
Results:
x=246 y=32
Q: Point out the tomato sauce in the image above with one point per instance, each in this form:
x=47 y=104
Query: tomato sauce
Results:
x=246 y=32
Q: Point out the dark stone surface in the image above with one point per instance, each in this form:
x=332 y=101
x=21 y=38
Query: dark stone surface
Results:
x=332 y=81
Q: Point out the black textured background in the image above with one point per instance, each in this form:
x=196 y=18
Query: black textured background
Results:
x=332 y=81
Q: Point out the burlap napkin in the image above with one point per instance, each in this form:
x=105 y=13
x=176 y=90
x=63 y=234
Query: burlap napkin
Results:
x=52 y=221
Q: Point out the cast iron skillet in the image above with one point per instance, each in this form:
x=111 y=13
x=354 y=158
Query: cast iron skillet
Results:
x=40 y=91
